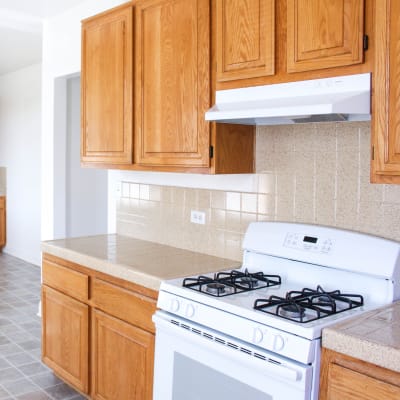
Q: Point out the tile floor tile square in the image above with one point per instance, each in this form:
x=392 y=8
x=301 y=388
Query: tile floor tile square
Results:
x=22 y=374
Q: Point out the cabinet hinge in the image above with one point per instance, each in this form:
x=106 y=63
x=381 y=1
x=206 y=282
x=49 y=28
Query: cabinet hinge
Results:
x=373 y=153
x=211 y=151
x=365 y=42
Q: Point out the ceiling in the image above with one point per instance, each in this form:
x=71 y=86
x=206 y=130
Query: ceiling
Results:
x=21 y=30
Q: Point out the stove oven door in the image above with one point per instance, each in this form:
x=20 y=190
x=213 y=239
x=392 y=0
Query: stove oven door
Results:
x=197 y=363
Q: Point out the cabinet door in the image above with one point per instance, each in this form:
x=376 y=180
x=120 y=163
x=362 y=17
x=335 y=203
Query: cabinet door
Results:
x=245 y=39
x=65 y=337
x=106 y=88
x=345 y=384
x=122 y=360
x=2 y=222
x=386 y=95
x=324 y=34
x=172 y=81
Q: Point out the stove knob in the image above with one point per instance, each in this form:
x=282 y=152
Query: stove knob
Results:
x=257 y=335
x=279 y=342
x=189 y=310
x=174 y=306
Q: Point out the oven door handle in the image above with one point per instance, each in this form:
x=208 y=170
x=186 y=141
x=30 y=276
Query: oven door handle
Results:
x=268 y=367
x=283 y=371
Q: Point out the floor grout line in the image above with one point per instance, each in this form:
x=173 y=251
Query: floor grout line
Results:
x=19 y=298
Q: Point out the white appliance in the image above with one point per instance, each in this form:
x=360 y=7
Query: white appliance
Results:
x=216 y=346
x=342 y=98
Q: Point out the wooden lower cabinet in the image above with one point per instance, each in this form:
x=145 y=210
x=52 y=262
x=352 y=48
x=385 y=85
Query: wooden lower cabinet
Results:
x=2 y=221
x=346 y=378
x=122 y=363
x=65 y=337
x=97 y=332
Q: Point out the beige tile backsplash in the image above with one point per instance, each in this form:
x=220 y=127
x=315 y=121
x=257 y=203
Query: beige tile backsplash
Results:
x=311 y=173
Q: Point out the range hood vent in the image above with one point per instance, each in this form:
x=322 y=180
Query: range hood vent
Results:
x=344 y=98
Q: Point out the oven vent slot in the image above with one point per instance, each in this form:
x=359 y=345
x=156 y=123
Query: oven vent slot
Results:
x=217 y=339
x=273 y=361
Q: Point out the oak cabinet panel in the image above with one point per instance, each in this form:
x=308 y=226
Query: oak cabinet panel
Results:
x=346 y=378
x=103 y=345
x=65 y=337
x=245 y=39
x=117 y=343
x=154 y=120
x=2 y=221
x=72 y=283
x=106 y=87
x=386 y=95
x=262 y=42
x=172 y=63
x=324 y=34
x=124 y=304
x=346 y=384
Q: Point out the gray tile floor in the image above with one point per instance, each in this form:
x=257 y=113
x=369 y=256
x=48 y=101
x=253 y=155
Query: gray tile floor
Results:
x=22 y=375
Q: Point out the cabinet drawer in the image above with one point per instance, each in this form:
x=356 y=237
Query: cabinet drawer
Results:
x=65 y=280
x=343 y=383
x=124 y=304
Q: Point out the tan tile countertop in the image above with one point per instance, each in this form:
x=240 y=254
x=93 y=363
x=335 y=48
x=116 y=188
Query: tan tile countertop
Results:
x=373 y=337
x=137 y=261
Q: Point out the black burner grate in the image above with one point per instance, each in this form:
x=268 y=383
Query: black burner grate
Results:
x=231 y=282
x=309 y=304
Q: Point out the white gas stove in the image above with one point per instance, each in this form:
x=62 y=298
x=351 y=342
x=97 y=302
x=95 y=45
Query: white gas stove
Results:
x=295 y=280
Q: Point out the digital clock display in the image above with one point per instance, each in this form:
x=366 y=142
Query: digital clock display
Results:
x=310 y=239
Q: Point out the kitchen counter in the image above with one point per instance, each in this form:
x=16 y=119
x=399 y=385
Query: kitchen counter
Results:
x=141 y=262
x=373 y=337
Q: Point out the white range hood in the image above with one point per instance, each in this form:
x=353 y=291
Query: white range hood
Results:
x=343 y=98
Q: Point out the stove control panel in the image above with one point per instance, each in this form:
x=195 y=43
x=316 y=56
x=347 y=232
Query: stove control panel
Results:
x=270 y=340
x=306 y=242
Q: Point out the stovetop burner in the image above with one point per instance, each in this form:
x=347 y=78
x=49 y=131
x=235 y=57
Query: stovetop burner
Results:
x=215 y=288
x=231 y=282
x=309 y=304
x=292 y=311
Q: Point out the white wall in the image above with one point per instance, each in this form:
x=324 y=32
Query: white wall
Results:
x=3 y=180
x=20 y=134
x=61 y=57
x=86 y=188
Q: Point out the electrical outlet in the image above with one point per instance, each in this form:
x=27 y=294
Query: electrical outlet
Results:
x=197 y=217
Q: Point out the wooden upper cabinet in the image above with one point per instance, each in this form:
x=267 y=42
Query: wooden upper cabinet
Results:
x=324 y=34
x=386 y=95
x=245 y=39
x=106 y=87
x=172 y=82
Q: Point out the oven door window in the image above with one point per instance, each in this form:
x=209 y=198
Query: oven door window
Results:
x=198 y=382
x=193 y=363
